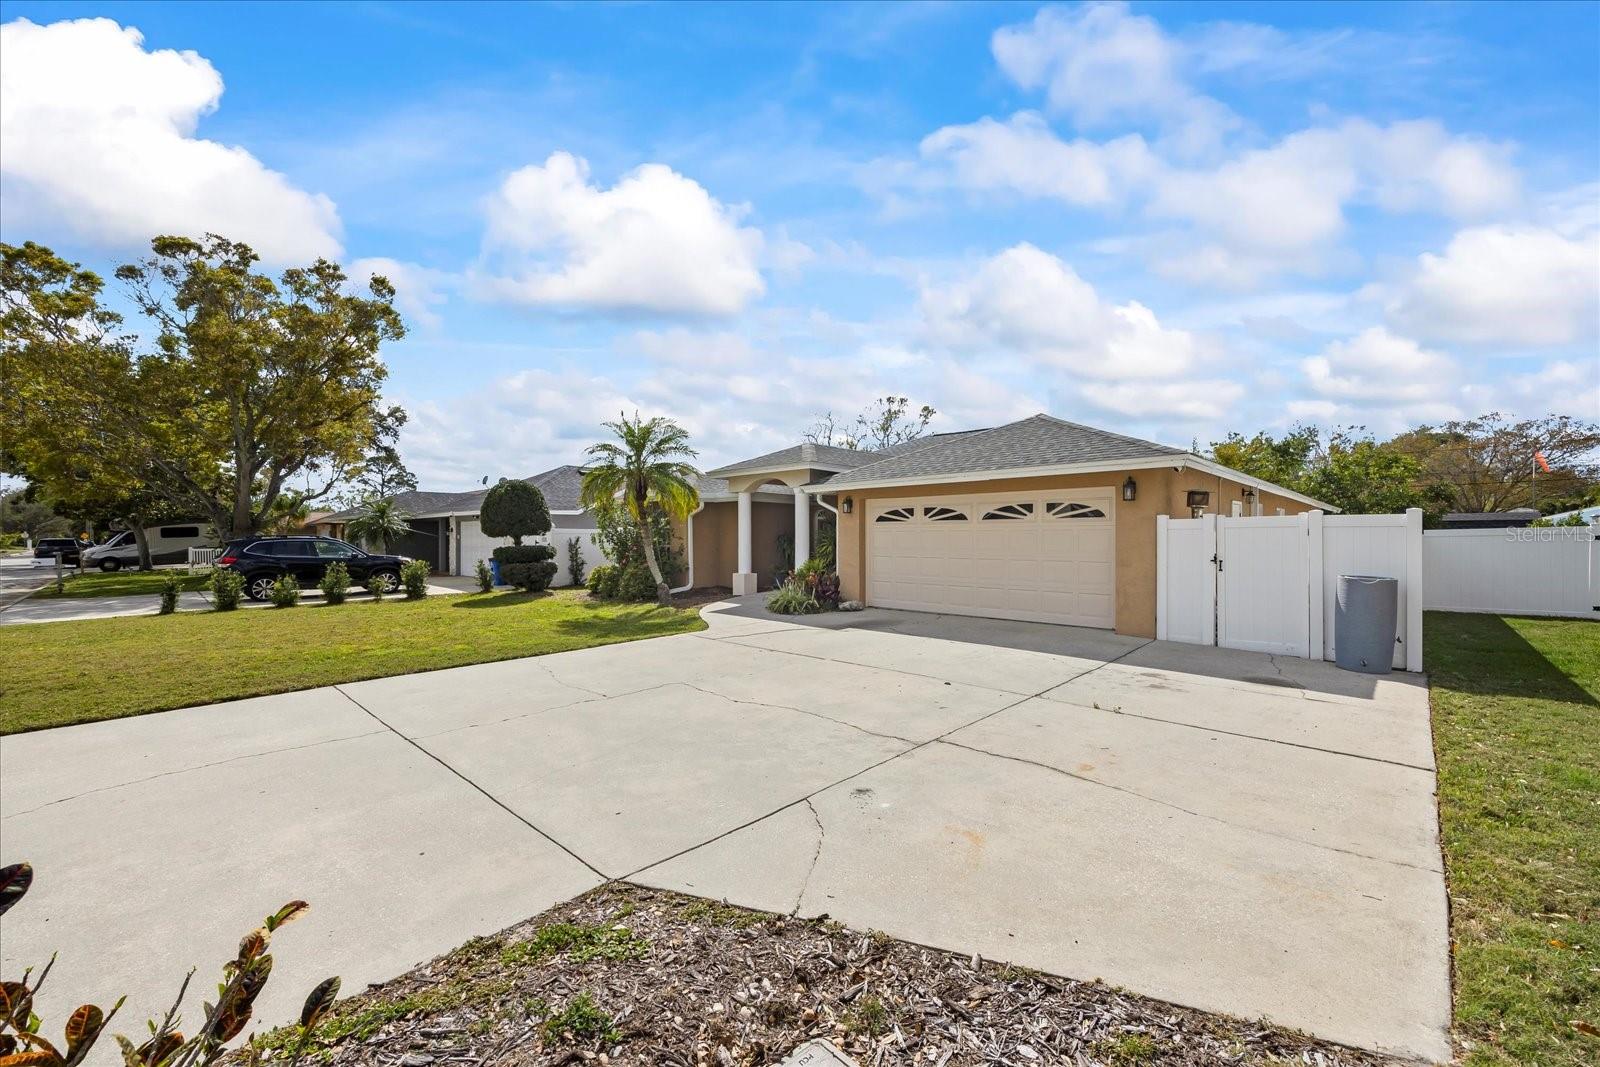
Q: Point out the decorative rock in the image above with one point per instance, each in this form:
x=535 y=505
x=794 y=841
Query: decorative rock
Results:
x=851 y=605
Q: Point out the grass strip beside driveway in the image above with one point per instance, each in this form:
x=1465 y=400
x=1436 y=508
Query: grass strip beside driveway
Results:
x=121 y=583
x=56 y=674
x=1516 y=719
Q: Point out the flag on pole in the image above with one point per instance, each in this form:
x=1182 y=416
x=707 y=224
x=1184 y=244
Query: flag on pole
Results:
x=1544 y=464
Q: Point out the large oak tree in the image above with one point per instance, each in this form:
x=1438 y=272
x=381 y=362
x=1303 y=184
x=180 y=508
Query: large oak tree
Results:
x=249 y=388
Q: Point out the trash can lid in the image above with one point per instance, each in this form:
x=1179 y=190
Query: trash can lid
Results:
x=1366 y=578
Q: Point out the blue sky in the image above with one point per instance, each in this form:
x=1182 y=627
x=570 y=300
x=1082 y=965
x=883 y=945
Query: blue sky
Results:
x=1171 y=220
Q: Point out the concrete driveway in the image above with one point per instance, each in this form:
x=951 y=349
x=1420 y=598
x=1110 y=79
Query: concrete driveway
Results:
x=1233 y=831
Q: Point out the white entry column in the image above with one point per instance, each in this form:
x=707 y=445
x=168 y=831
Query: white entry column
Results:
x=744 y=579
x=802 y=528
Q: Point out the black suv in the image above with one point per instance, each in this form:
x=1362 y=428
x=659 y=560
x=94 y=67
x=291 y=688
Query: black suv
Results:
x=263 y=560
x=69 y=547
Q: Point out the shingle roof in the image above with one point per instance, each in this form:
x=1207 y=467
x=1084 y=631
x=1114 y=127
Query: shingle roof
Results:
x=808 y=454
x=713 y=488
x=1038 y=441
x=561 y=488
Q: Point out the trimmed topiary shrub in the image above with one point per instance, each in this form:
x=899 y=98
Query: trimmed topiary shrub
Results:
x=335 y=583
x=227 y=587
x=414 y=577
x=285 y=592
x=603 y=581
x=515 y=510
x=528 y=567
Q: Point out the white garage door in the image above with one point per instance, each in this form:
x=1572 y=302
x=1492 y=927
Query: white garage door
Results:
x=1043 y=557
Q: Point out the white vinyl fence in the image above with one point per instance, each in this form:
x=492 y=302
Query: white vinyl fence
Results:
x=1268 y=583
x=1529 y=571
x=203 y=558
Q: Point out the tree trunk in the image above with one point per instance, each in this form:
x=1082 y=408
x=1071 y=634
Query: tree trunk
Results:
x=663 y=594
x=139 y=538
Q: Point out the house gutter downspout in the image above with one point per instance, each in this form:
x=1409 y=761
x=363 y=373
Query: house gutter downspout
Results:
x=688 y=537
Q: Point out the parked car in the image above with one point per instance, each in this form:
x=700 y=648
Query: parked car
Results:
x=168 y=544
x=69 y=547
x=263 y=560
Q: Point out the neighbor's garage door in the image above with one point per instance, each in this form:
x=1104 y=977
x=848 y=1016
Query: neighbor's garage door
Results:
x=476 y=545
x=1044 y=557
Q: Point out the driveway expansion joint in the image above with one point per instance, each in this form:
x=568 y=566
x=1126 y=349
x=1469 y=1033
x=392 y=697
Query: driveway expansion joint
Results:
x=490 y=796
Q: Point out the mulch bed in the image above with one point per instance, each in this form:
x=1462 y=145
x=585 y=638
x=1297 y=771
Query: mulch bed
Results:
x=629 y=975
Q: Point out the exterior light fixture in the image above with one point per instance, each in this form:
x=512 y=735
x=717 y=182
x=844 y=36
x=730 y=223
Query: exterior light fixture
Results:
x=1199 y=498
x=847 y=505
x=1249 y=493
x=1130 y=488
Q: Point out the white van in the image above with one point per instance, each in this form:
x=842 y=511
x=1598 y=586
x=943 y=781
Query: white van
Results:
x=168 y=544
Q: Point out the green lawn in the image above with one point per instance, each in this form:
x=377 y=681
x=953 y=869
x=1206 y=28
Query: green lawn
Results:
x=121 y=583
x=1516 y=713
x=58 y=673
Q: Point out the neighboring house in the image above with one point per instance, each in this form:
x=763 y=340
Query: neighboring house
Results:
x=1488 y=520
x=1589 y=515
x=446 y=533
x=1039 y=519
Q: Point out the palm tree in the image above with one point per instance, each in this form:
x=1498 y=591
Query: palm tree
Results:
x=647 y=465
x=380 y=520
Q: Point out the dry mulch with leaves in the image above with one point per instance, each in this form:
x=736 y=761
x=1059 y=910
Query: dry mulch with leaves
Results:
x=629 y=975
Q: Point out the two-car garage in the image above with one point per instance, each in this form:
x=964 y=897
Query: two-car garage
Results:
x=1038 y=556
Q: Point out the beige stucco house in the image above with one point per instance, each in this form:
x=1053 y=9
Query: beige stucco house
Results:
x=1040 y=519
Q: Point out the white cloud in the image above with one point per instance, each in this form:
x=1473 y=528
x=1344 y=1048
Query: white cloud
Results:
x=1504 y=285
x=1381 y=369
x=418 y=290
x=654 y=242
x=1022 y=154
x=99 y=139
x=1099 y=64
x=1211 y=399
x=1028 y=302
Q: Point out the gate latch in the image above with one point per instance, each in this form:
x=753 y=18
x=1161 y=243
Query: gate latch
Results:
x=1218 y=561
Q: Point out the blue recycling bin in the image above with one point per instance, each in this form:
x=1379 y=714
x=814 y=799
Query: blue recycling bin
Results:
x=494 y=569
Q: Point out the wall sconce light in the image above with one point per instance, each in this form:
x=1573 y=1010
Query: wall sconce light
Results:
x=1130 y=488
x=1249 y=493
x=847 y=505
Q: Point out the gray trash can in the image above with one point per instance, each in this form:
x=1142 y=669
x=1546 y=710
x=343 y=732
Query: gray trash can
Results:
x=1364 y=620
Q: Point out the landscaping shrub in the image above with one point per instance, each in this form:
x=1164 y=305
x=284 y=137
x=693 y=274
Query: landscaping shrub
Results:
x=634 y=583
x=414 y=577
x=227 y=588
x=619 y=539
x=169 y=593
x=820 y=581
x=793 y=598
x=516 y=510
x=575 y=559
x=528 y=567
x=603 y=581
x=485 y=576
x=285 y=592
x=335 y=583
x=375 y=587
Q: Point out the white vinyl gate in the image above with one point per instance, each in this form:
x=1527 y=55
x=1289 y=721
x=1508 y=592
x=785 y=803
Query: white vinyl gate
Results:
x=1268 y=583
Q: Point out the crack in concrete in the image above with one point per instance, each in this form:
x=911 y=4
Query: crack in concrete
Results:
x=1186 y=811
x=921 y=675
x=1021 y=699
x=538 y=662
x=1095 y=706
x=490 y=796
x=509 y=718
x=822 y=835
x=197 y=767
x=778 y=707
